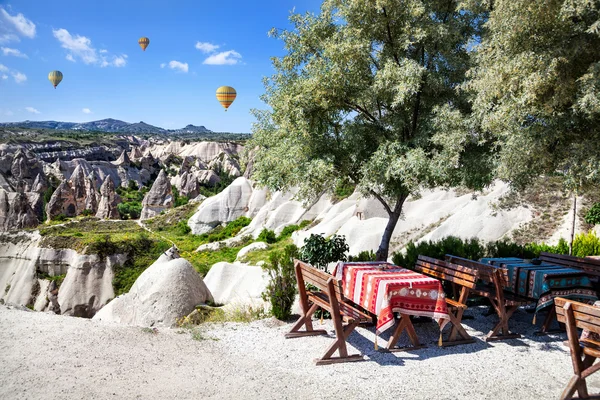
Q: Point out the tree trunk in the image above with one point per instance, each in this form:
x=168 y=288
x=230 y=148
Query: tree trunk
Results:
x=394 y=216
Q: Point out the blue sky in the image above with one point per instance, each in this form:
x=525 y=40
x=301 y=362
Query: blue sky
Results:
x=195 y=47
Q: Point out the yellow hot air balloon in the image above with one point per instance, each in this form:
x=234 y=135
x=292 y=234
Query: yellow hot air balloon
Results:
x=144 y=42
x=55 y=77
x=226 y=95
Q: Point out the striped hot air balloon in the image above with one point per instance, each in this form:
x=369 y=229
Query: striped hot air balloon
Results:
x=55 y=77
x=226 y=96
x=144 y=42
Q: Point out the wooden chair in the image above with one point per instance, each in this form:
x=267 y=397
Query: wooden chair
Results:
x=461 y=276
x=346 y=317
x=585 y=351
x=492 y=285
x=590 y=266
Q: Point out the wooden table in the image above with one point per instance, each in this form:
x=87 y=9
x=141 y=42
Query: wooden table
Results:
x=383 y=289
x=544 y=282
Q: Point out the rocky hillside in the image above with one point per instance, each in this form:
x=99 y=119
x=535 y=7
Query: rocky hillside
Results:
x=47 y=181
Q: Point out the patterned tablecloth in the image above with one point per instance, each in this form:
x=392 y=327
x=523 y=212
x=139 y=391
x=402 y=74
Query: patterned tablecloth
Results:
x=546 y=281
x=384 y=288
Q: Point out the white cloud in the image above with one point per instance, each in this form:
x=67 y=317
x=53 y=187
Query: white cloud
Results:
x=230 y=57
x=182 y=67
x=32 y=110
x=78 y=46
x=206 y=47
x=19 y=77
x=4 y=77
x=163 y=65
x=86 y=111
x=12 y=52
x=3 y=68
x=13 y=26
x=117 y=61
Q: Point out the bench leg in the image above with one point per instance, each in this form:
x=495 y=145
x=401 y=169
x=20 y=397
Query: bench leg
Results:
x=502 y=326
x=457 y=329
x=340 y=345
x=305 y=320
x=404 y=324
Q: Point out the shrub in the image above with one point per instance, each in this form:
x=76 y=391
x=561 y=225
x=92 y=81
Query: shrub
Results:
x=586 y=244
x=230 y=230
x=86 y=212
x=130 y=210
x=179 y=200
x=182 y=228
x=364 y=256
x=471 y=249
x=593 y=215
x=287 y=232
x=281 y=289
x=267 y=236
x=319 y=251
x=59 y=218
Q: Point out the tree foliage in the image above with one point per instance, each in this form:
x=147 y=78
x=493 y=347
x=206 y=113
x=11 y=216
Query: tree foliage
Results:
x=367 y=93
x=536 y=87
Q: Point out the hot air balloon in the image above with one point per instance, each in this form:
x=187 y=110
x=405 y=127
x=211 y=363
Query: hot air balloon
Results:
x=144 y=42
x=55 y=77
x=226 y=96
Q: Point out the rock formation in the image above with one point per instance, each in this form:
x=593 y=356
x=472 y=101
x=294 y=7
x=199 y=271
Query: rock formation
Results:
x=109 y=200
x=239 y=199
x=16 y=211
x=159 y=198
x=169 y=289
x=123 y=160
x=74 y=196
x=236 y=283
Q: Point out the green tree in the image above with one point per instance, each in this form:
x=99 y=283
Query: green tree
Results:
x=536 y=87
x=367 y=93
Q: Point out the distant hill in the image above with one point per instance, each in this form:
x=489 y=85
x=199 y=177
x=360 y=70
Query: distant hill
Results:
x=105 y=125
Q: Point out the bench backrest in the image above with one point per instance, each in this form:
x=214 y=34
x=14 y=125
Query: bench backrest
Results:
x=582 y=315
x=447 y=271
x=486 y=271
x=588 y=265
x=306 y=273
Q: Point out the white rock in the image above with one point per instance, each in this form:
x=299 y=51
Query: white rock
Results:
x=169 y=289
x=236 y=283
x=250 y=248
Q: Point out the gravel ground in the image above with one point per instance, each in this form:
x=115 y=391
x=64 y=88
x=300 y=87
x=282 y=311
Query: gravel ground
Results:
x=47 y=356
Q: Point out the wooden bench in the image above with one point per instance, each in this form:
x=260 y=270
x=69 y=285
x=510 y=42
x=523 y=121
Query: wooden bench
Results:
x=585 y=351
x=461 y=276
x=590 y=266
x=346 y=317
x=492 y=285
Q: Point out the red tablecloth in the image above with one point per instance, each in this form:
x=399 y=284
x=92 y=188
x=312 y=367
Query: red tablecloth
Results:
x=384 y=288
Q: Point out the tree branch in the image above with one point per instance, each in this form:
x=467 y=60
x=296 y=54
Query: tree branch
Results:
x=382 y=201
x=390 y=40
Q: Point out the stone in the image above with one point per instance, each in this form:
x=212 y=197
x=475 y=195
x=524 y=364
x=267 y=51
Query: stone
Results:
x=109 y=200
x=159 y=198
x=168 y=290
x=236 y=283
x=241 y=255
x=16 y=211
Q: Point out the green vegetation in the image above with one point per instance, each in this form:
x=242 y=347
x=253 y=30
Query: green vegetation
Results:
x=131 y=196
x=585 y=244
x=369 y=96
x=592 y=217
x=281 y=289
x=267 y=236
x=288 y=230
x=364 y=256
x=320 y=251
x=179 y=200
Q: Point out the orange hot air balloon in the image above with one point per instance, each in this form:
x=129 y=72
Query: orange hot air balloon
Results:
x=144 y=42
x=226 y=95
